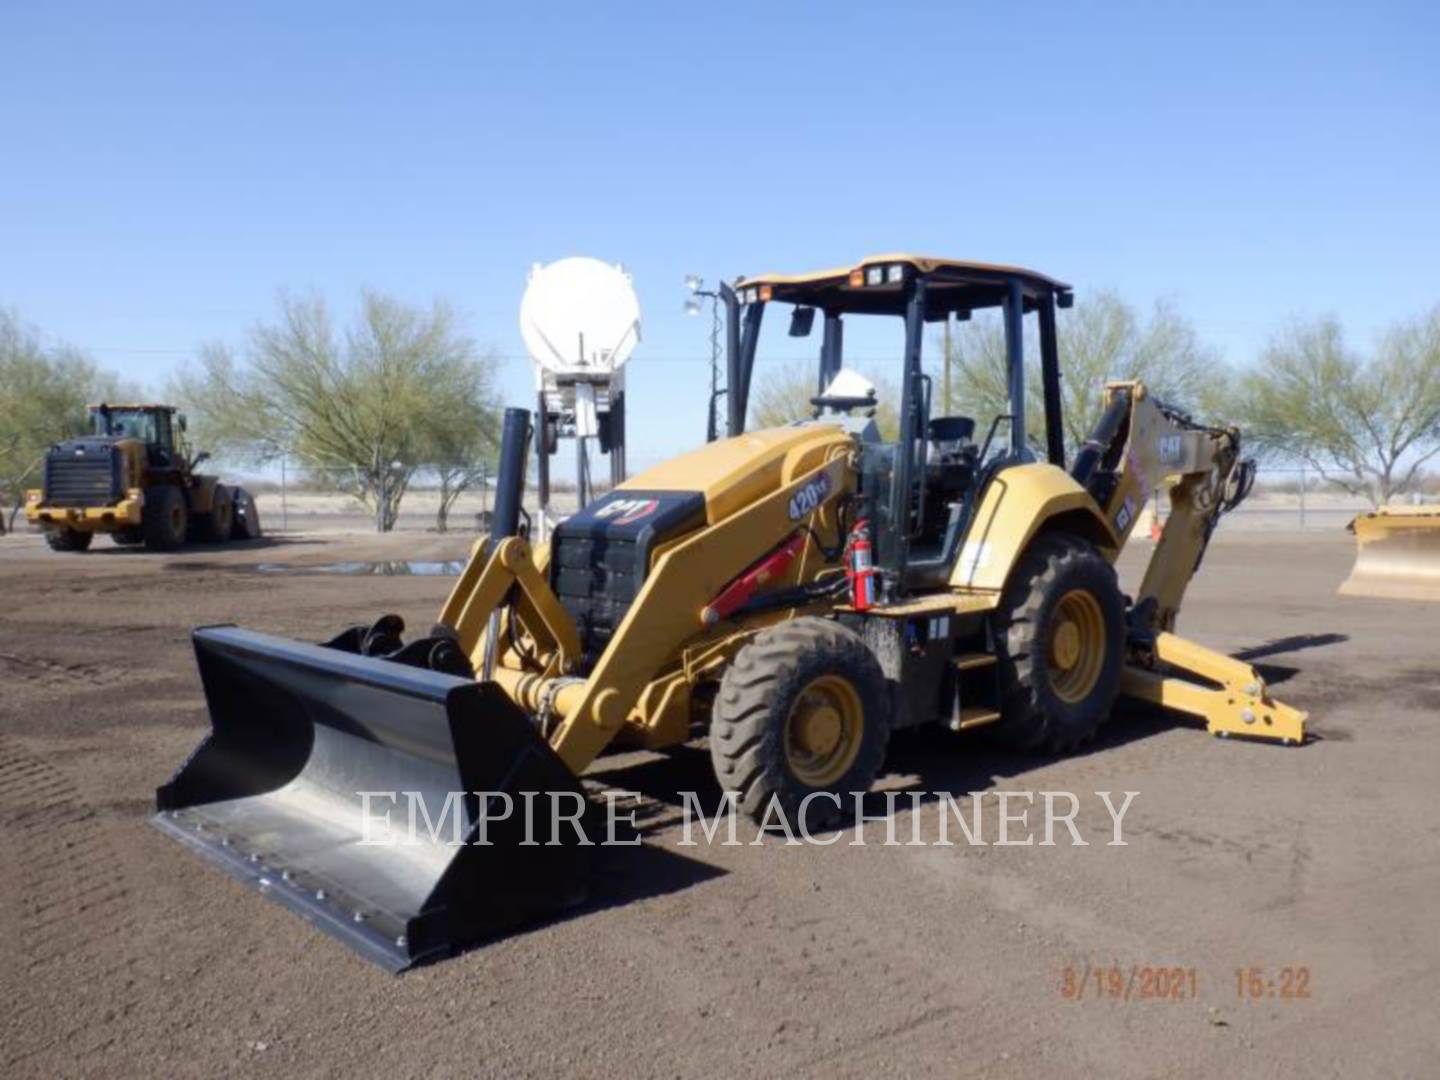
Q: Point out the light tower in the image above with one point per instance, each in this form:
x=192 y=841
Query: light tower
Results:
x=580 y=320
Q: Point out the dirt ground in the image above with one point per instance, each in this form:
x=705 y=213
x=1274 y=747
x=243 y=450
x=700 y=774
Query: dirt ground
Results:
x=127 y=956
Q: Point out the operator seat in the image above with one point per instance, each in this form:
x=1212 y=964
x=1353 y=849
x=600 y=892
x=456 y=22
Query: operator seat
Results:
x=950 y=468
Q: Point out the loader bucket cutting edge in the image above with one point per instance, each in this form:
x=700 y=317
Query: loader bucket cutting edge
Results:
x=273 y=795
x=1398 y=556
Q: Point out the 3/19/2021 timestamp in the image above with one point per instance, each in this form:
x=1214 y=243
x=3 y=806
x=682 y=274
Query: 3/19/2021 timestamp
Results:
x=1137 y=982
x=1178 y=982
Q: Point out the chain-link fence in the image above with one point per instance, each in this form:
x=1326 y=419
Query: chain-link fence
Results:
x=1294 y=498
x=309 y=498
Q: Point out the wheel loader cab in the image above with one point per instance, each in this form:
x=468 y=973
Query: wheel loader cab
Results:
x=153 y=425
x=921 y=486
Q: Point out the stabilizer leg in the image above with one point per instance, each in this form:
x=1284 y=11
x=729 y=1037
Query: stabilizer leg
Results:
x=1230 y=695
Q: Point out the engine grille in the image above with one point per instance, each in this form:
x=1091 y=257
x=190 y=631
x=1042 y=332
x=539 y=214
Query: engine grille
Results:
x=595 y=581
x=82 y=474
x=599 y=557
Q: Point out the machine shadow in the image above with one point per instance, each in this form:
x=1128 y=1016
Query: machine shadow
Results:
x=940 y=762
x=1275 y=674
x=1294 y=643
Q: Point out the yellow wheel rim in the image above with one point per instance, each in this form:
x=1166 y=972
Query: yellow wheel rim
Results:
x=823 y=731
x=1077 y=646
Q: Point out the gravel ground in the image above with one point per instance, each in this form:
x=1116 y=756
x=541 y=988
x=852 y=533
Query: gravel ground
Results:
x=127 y=956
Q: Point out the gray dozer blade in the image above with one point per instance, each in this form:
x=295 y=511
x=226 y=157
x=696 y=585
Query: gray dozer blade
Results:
x=273 y=795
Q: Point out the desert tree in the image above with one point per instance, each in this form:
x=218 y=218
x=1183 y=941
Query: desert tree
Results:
x=462 y=437
x=365 y=406
x=1366 y=423
x=44 y=390
x=783 y=395
x=1101 y=339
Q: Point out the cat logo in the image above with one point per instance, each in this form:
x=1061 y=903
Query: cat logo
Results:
x=804 y=501
x=626 y=511
x=1171 y=448
x=1125 y=515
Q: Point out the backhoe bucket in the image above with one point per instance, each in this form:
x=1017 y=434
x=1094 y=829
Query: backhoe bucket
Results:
x=1399 y=554
x=345 y=786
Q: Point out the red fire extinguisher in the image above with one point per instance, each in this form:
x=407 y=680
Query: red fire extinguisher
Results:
x=861 y=570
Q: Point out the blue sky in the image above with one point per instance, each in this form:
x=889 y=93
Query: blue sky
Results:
x=166 y=168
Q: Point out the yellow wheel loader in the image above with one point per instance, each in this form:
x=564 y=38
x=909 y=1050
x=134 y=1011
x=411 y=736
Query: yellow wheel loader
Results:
x=132 y=477
x=796 y=594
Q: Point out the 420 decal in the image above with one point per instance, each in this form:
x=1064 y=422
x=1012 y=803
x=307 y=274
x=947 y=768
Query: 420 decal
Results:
x=804 y=501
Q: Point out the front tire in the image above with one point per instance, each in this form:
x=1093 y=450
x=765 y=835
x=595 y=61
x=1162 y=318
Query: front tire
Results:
x=801 y=710
x=1060 y=639
x=67 y=539
x=165 y=518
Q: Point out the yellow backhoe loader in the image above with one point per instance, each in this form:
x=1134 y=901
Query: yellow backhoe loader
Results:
x=1398 y=554
x=796 y=594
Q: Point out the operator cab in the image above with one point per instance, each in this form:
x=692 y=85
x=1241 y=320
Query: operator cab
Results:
x=921 y=488
x=156 y=426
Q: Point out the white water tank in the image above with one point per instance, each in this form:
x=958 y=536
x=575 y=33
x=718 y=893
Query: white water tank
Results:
x=580 y=320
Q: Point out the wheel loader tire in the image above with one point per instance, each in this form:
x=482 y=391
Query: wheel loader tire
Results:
x=64 y=539
x=128 y=537
x=165 y=519
x=801 y=709
x=1059 y=639
x=214 y=527
x=245 y=520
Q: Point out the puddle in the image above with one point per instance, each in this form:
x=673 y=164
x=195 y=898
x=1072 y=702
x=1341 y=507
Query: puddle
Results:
x=390 y=568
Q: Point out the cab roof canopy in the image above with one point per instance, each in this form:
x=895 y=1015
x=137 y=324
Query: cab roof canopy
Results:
x=876 y=286
x=116 y=405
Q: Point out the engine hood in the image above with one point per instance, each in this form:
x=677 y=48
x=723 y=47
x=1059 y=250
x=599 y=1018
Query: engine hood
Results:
x=733 y=473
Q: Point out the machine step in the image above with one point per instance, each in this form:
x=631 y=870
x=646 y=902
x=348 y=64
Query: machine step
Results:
x=973 y=717
x=970 y=661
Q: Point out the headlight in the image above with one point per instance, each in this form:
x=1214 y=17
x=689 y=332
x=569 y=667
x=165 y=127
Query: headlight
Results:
x=874 y=275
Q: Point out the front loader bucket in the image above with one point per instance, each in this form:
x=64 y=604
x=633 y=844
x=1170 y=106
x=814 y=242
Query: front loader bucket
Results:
x=1398 y=556
x=276 y=796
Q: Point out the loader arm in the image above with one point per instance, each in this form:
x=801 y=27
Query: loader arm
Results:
x=486 y=581
x=1151 y=447
x=580 y=716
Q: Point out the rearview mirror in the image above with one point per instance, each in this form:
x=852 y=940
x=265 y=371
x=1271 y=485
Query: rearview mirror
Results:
x=181 y=418
x=802 y=319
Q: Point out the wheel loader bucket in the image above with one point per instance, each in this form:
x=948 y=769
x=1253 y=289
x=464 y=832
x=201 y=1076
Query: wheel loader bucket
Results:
x=320 y=761
x=1398 y=556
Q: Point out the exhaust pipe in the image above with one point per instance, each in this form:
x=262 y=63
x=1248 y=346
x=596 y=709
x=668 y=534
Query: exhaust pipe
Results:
x=510 y=476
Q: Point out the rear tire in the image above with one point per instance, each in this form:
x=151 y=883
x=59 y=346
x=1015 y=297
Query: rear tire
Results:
x=67 y=539
x=801 y=709
x=1060 y=639
x=165 y=518
x=215 y=525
